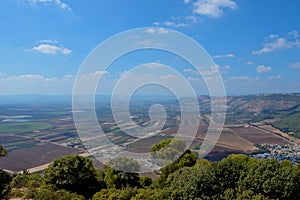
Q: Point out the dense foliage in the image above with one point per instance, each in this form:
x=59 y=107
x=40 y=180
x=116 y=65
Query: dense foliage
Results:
x=5 y=179
x=75 y=174
x=168 y=149
x=235 y=177
x=2 y=151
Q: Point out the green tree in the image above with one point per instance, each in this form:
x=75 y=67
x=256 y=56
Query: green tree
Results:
x=115 y=194
x=32 y=183
x=48 y=193
x=169 y=149
x=188 y=159
x=124 y=164
x=145 y=181
x=120 y=173
x=3 y=152
x=203 y=162
x=272 y=179
x=73 y=173
x=243 y=195
x=191 y=183
x=120 y=179
x=229 y=170
x=5 y=179
x=150 y=194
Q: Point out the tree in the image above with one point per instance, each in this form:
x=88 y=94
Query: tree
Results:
x=120 y=173
x=229 y=170
x=145 y=181
x=47 y=193
x=120 y=179
x=115 y=194
x=124 y=164
x=150 y=194
x=5 y=179
x=169 y=149
x=73 y=173
x=191 y=183
x=3 y=152
x=272 y=179
x=243 y=195
x=188 y=159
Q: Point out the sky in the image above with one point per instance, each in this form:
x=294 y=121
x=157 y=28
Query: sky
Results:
x=254 y=44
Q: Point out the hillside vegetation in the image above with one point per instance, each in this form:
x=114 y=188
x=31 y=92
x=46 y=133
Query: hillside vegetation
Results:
x=282 y=111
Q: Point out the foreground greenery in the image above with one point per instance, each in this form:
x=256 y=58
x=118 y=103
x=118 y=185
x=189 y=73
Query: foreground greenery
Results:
x=235 y=177
x=3 y=152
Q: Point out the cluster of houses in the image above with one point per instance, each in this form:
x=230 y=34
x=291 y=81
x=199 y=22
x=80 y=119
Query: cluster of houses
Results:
x=279 y=152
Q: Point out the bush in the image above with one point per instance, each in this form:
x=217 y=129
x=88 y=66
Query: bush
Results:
x=75 y=174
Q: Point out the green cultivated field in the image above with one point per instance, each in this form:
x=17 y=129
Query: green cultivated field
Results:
x=24 y=127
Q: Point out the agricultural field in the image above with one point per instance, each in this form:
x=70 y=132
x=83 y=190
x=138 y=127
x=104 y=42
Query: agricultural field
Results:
x=36 y=134
x=21 y=127
x=31 y=157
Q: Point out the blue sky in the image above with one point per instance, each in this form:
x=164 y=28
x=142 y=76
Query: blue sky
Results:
x=255 y=44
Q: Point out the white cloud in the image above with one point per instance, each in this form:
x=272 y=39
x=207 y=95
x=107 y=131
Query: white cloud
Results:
x=193 y=72
x=192 y=19
x=241 y=78
x=35 y=84
x=94 y=75
x=214 y=70
x=69 y=76
x=173 y=24
x=25 y=77
x=150 y=30
x=62 y=5
x=294 y=34
x=190 y=78
x=213 y=8
x=230 y=55
x=145 y=42
x=58 y=3
x=279 y=43
x=157 y=30
x=163 y=31
x=209 y=8
x=187 y=70
x=2 y=74
x=275 y=42
x=156 y=23
x=89 y=80
x=51 y=49
x=224 y=69
x=263 y=69
x=179 y=22
x=47 y=41
x=275 y=77
x=249 y=63
x=154 y=65
x=66 y=51
x=295 y=65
